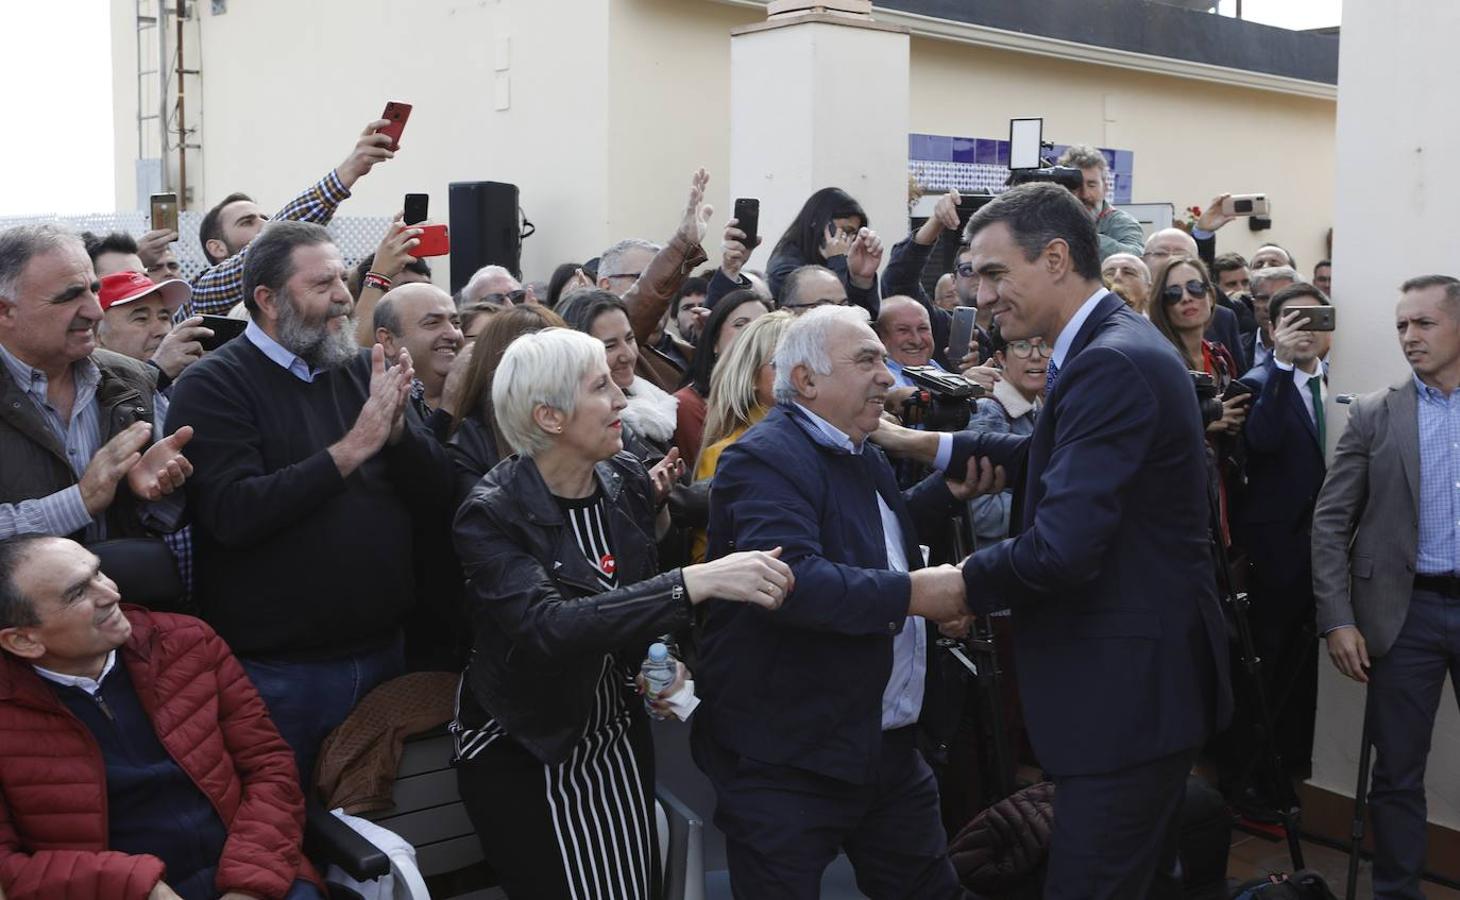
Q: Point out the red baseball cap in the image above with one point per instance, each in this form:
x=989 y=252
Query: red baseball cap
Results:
x=124 y=287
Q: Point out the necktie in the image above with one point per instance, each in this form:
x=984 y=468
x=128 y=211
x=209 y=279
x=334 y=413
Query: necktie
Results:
x=1051 y=375
x=1315 y=387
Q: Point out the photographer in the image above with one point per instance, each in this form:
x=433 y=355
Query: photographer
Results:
x=1118 y=230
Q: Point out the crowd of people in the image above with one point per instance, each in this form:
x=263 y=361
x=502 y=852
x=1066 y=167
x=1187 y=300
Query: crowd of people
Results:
x=528 y=483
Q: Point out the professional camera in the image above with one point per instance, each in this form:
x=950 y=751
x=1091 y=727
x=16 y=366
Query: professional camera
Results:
x=1206 y=397
x=943 y=401
x=1065 y=176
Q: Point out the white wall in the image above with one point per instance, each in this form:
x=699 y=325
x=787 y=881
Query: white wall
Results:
x=1395 y=219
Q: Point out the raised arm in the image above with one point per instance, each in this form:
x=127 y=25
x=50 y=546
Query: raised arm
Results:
x=650 y=296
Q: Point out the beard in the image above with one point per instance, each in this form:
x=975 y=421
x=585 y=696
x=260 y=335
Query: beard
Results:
x=313 y=342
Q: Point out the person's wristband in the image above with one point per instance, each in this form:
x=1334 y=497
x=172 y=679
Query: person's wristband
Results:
x=376 y=280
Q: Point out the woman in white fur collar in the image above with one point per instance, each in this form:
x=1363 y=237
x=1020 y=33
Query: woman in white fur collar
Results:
x=649 y=419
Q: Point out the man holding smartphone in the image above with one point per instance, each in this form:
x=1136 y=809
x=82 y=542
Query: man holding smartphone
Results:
x=229 y=227
x=1285 y=436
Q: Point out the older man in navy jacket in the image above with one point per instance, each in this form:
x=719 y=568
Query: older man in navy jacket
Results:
x=1118 y=635
x=807 y=728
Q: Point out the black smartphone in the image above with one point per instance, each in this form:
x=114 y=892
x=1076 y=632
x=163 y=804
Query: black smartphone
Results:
x=747 y=219
x=1320 y=318
x=416 y=207
x=224 y=330
x=1236 y=389
x=960 y=333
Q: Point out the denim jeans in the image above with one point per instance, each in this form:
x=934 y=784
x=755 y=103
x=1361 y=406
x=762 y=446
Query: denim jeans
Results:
x=307 y=700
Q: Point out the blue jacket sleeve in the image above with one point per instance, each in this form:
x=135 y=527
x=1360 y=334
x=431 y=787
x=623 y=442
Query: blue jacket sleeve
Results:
x=770 y=505
x=1263 y=430
x=1101 y=440
x=722 y=284
x=867 y=298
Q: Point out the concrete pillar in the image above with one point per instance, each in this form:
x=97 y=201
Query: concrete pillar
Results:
x=819 y=98
x=1395 y=218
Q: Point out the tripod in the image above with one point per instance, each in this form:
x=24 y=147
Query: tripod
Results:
x=979 y=656
x=1280 y=785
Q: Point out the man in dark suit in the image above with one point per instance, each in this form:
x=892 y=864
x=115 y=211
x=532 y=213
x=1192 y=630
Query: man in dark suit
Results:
x=807 y=730
x=1119 y=639
x=1284 y=437
x=1386 y=569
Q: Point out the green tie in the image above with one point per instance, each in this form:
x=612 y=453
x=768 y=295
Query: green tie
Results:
x=1315 y=387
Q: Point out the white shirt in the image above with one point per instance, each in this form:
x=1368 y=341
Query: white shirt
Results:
x=89 y=685
x=902 y=698
x=1300 y=380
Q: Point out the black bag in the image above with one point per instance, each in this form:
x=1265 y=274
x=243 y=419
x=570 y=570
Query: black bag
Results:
x=1204 y=836
x=1304 y=885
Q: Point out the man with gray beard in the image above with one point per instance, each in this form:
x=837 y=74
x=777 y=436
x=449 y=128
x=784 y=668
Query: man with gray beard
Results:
x=318 y=472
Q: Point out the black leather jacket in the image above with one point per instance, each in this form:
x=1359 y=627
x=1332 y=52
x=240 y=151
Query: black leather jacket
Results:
x=541 y=621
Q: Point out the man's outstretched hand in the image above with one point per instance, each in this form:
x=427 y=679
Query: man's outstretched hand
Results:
x=370 y=148
x=937 y=594
x=696 y=221
x=163 y=468
x=982 y=479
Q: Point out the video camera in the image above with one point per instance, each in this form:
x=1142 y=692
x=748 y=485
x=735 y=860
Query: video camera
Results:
x=1026 y=157
x=1206 y=397
x=943 y=401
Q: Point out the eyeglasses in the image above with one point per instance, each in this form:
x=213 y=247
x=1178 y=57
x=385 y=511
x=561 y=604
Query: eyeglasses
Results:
x=510 y=298
x=632 y=276
x=1159 y=254
x=964 y=269
x=812 y=304
x=1195 y=287
x=1025 y=349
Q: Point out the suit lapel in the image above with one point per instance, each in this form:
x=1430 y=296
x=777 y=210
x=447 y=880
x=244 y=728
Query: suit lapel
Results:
x=1300 y=409
x=1403 y=405
x=1105 y=307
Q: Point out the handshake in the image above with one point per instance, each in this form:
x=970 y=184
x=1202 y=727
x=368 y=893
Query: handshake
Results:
x=938 y=596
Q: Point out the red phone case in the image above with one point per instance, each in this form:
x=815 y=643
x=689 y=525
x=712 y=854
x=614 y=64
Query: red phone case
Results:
x=397 y=113
x=434 y=241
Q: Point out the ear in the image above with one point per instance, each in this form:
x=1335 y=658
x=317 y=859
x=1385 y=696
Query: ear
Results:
x=217 y=249
x=267 y=302
x=385 y=339
x=550 y=420
x=21 y=643
x=1057 y=257
x=602 y=282
x=804 y=381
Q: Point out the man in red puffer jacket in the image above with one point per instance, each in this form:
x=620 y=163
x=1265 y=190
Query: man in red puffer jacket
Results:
x=137 y=761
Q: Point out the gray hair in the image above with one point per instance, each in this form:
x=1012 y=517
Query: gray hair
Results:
x=541 y=368
x=1145 y=270
x=1083 y=156
x=386 y=315
x=804 y=344
x=270 y=261
x=21 y=244
x=610 y=261
x=1275 y=273
x=791 y=286
x=1450 y=283
x=485 y=273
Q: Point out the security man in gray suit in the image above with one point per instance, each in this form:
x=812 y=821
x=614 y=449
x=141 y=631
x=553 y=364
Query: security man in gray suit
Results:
x=1386 y=566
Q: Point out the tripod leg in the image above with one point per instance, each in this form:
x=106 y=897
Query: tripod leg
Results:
x=1361 y=800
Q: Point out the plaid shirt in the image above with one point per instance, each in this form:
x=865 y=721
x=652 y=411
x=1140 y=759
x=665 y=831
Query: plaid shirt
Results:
x=219 y=289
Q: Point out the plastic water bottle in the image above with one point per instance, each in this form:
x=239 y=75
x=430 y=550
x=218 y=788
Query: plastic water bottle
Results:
x=659 y=669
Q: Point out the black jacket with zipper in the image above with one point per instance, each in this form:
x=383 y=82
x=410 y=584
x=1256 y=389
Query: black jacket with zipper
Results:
x=540 y=619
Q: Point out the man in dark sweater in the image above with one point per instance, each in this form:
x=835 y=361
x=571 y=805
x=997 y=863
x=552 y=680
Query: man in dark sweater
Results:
x=317 y=468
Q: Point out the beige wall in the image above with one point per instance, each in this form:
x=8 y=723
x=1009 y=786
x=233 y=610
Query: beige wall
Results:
x=1192 y=140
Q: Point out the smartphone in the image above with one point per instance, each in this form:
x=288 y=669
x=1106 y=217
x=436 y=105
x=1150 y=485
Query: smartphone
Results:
x=164 y=212
x=415 y=207
x=1320 y=318
x=397 y=113
x=1236 y=389
x=224 y=330
x=960 y=333
x=747 y=219
x=434 y=241
x=1246 y=205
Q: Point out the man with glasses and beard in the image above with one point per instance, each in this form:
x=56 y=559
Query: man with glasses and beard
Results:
x=318 y=470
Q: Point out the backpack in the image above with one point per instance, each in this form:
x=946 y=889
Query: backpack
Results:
x=1303 y=885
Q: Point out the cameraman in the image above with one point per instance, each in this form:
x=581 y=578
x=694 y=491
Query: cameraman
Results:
x=1118 y=230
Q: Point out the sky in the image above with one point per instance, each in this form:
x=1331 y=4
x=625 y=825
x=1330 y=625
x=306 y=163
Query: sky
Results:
x=59 y=158
x=56 y=66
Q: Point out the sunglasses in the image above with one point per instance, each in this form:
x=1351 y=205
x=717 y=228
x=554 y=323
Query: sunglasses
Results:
x=1195 y=287
x=1024 y=349
x=510 y=298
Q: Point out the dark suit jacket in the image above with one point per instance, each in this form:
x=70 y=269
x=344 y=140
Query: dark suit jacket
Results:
x=802 y=686
x=1119 y=638
x=1225 y=331
x=1285 y=471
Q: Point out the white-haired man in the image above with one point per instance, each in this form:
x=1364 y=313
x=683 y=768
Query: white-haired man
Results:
x=838 y=767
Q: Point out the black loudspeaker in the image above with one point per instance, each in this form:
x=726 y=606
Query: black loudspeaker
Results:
x=484 y=229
